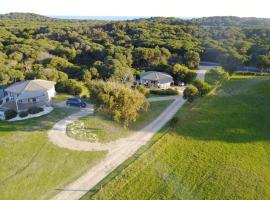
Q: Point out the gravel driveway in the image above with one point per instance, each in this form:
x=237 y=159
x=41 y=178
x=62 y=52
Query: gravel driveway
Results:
x=119 y=150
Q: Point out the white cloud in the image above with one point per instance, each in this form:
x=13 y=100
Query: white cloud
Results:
x=190 y=8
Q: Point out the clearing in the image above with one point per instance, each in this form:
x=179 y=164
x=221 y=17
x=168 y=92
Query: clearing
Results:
x=102 y=129
x=219 y=150
x=33 y=168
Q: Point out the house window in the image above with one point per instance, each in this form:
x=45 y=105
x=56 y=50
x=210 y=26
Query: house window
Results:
x=34 y=100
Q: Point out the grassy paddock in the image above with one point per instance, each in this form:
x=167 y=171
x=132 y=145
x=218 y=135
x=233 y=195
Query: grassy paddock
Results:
x=123 y=166
x=33 y=168
x=219 y=150
x=102 y=129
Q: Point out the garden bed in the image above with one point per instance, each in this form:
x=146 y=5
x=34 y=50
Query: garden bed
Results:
x=29 y=116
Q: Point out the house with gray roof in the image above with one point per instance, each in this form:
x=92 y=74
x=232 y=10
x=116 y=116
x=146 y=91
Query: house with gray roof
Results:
x=156 y=79
x=25 y=94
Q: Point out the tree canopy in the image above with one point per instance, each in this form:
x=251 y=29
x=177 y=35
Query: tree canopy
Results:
x=34 y=46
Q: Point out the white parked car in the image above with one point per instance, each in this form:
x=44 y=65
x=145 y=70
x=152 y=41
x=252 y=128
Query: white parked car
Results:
x=181 y=84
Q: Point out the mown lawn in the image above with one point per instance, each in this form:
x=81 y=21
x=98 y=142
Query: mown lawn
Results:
x=33 y=168
x=102 y=129
x=220 y=149
x=61 y=97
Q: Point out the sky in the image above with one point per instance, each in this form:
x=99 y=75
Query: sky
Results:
x=166 y=8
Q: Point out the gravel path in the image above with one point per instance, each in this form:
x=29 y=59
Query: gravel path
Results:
x=119 y=150
x=154 y=99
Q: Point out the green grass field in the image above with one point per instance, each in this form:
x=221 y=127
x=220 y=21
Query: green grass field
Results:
x=61 y=97
x=219 y=150
x=102 y=129
x=33 y=168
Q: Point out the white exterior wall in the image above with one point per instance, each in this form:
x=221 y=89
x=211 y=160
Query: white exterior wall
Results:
x=51 y=93
x=165 y=85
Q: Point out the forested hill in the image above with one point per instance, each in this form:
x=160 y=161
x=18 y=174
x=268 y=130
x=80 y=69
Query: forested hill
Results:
x=34 y=46
x=232 y=21
x=211 y=21
x=25 y=17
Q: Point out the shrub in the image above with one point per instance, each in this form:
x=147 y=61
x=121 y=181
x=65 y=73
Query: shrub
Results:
x=10 y=114
x=216 y=75
x=35 y=110
x=169 y=91
x=145 y=91
x=23 y=114
x=202 y=86
x=69 y=86
x=174 y=121
x=191 y=93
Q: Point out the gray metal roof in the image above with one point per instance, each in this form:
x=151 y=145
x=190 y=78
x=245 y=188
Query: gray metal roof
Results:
x=160 y=77
x=31 y=88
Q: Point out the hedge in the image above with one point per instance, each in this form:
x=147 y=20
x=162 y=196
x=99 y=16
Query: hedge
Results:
x=168 y=91
x=23 y=114
x=35 y=110
x=10 y=114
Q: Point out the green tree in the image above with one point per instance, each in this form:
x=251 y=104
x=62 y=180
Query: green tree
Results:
x=264 y=62
x=115 y=99
x=202 y=87
x=192 y=59
x=191 y=93
x=217 y=75
x=69 y=86
x=181 y=73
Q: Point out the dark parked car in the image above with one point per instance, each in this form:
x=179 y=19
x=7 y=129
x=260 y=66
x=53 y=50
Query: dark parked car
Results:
x=75 y=102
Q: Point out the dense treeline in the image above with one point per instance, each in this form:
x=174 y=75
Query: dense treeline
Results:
x=34 y=46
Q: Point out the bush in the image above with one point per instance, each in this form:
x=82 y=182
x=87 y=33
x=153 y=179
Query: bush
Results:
x=23 y=114
x=169 y=91
x=191 y=93
x=174 y=121
x=35 y=110
x=10 y=114
x=202 y=86
x=216 y=75
x=69 y=86
x=145 y=91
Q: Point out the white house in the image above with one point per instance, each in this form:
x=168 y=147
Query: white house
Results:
x=156 y=79
x=24 y=94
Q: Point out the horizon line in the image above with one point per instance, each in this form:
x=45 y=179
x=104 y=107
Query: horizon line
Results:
x=128 y=16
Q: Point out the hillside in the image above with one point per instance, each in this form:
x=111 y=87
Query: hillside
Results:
x=232 y=21
x=25 y=17
x=212 y=21
x=34 y=46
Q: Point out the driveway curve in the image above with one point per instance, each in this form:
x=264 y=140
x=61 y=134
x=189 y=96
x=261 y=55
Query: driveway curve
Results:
x=57 y=135
x=118 y=151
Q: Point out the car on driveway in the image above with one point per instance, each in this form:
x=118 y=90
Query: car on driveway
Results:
x=75 y=102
